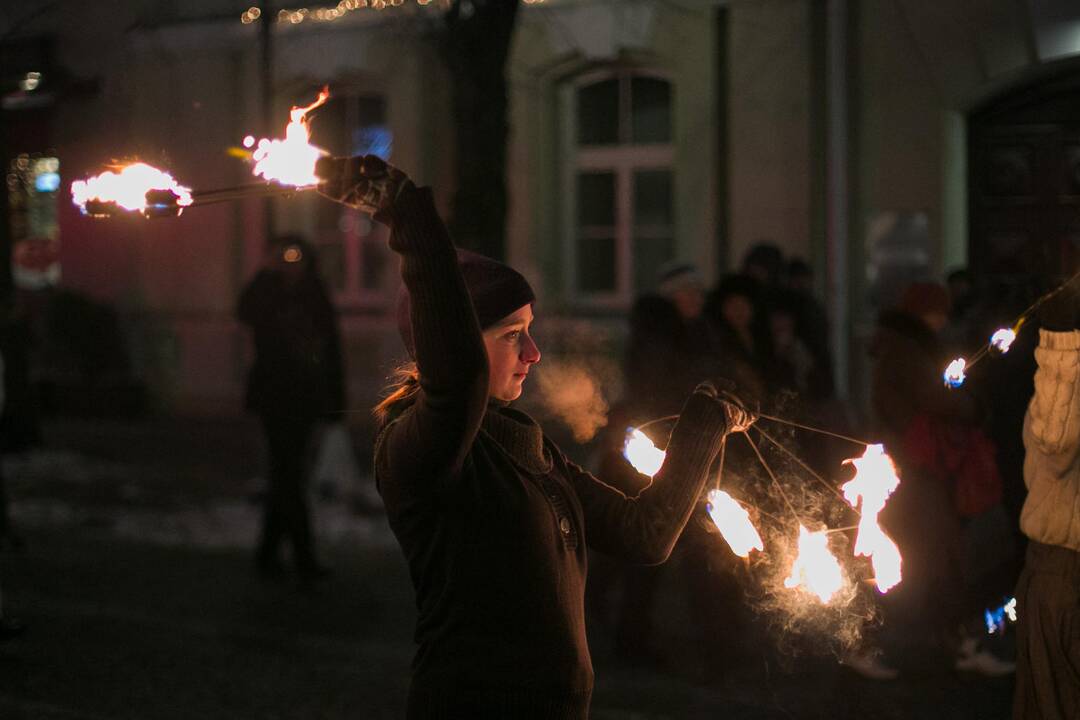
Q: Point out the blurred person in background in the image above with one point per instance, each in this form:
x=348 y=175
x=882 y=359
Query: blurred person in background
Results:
x=764 y=262
x=951 y=491
x=295 y=381
x=742 y=352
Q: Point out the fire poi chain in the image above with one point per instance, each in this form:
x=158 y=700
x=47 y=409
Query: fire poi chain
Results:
x=287 y=165
x=814 y=569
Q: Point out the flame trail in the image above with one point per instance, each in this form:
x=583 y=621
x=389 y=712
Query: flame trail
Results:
x=126 y=189
x=291 y=161
x=733 y=522
x=875 y=480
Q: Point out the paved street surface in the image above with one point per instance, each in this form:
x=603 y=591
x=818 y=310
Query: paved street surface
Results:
x=138 y=590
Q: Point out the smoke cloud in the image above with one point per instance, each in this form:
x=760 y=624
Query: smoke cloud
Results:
x=570 y=392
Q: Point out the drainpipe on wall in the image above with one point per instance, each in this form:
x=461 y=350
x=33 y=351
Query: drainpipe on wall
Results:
x=837 y=191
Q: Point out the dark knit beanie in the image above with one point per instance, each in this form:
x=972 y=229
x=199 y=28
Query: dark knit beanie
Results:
x=496 y=290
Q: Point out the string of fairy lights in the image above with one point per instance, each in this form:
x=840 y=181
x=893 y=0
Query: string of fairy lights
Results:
x=330 y=13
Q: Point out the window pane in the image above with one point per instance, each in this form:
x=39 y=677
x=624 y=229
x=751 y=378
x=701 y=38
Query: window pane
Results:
x=652 y=198
x=596 y=265
x=598 y=113
x=596 y=198
x=650 y=253
x=650 y=103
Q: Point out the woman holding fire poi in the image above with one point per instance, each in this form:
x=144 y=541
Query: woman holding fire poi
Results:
x=491 y=516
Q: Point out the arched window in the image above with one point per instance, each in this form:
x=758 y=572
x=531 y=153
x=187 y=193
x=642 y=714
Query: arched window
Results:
x=619 y=209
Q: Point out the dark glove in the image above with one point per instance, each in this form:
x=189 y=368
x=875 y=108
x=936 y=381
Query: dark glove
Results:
x=739 y=417
x=366 y=182
x=1061 y=310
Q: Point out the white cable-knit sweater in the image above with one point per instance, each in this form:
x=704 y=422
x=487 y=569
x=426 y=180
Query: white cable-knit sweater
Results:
x=1051 y=513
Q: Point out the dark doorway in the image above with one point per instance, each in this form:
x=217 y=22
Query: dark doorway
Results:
x=1025 y=182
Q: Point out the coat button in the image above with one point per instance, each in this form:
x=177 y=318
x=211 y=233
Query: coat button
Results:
x=564 y=525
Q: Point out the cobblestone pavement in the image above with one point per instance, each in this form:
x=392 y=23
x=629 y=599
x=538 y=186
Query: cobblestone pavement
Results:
x=137 y=588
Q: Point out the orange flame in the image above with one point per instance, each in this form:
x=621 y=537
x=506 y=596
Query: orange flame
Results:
x=291 y=161
x=127 y=188
x=733 y=522
x=815 y=569
x=875 y=480
x=642 y=454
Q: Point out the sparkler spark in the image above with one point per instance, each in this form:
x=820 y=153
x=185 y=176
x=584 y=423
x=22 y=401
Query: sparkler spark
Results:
x=127 y=188
x=954 y=374
x=291 y=161
x=1002 y=339
x=815 y=569
x=733 y=522
x=875 y=480
x=640 y=452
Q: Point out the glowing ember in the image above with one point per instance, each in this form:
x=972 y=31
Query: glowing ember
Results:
x=954 y=374
x=875 y=480
x=127 y=188
x=815 y=570
x=995 y=619
x=733 y=522
x=1002 y=339
x=641 y=453
x=291 y=161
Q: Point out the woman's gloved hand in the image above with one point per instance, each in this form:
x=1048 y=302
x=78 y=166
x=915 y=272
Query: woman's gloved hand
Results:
x=366 y=182
x=739 y=417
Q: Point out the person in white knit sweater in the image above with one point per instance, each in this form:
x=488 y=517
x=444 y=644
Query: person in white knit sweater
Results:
x=1048 y=591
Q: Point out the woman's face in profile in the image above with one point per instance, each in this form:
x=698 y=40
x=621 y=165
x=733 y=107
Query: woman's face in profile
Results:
x=511 y=352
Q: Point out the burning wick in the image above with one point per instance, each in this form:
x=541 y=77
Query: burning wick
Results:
x=291 y=161
x=1002 y=339
x=995 y=619
x=875 y=480
x=640 y=452
x=954 y=374
x=733 y=522
x=815 y=570
x=126 y=189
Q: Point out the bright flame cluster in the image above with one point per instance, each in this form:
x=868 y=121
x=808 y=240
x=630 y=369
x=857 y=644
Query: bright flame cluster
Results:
x=128 y=187
x=1002 y=339
x=875 y=480
x=733 y=522
x=640 y=452
x=815 y=570
x=954 y=374
x=291 y=161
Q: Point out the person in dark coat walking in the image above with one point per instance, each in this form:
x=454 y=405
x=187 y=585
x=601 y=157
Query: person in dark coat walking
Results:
x=295 y=381
x=492 y=517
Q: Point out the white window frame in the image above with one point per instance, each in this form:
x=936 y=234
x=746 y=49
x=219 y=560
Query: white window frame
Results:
x=622 y=160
